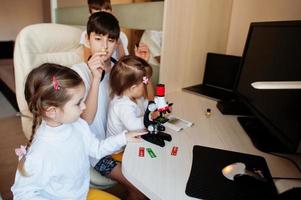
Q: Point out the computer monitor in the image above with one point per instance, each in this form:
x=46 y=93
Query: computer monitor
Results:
x=272 y=53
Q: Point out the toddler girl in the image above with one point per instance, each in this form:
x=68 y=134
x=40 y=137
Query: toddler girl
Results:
x=128 y=80
x=55 y=163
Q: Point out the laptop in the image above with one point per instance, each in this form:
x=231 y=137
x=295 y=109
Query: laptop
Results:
x=220 y=76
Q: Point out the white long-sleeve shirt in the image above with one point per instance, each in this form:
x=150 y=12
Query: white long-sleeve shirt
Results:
x=99 y=124
x=58 y=162
x=125 y=115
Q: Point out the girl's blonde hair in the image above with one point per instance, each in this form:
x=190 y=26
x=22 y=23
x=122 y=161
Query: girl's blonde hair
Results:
x=128 y=71
x=46 y=86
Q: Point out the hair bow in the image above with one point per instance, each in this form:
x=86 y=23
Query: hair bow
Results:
x=145 y=80
x=55 y=83
x=20 y=152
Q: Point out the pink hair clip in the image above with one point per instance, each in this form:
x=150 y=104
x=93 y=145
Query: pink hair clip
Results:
x=20 y=152
x=55 y=83
x=145 y=80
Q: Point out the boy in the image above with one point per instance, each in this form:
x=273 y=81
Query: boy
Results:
x=102 y=35
x=122 y=42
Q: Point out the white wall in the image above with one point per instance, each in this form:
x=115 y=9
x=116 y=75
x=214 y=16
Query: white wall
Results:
x=246 y=11
x=190 y=30
x=70 y=3
x=16 y=14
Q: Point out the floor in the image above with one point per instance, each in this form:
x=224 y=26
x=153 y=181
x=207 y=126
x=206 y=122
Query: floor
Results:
x=6 y=109
x=11 y=137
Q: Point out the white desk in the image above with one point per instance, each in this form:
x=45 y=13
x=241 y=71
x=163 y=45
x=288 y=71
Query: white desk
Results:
x=165 y=177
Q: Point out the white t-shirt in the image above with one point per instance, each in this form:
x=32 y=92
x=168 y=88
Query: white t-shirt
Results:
x=125 y=115
x=115 y=55
x=58 y=162
x=99 y=124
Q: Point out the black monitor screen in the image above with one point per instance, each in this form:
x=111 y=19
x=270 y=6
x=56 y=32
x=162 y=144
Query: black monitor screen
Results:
x=273 y=53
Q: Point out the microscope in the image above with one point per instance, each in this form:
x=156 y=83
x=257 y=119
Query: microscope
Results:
x=155 y=128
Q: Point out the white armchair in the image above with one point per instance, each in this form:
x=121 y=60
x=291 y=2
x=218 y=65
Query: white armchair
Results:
x=40 y=43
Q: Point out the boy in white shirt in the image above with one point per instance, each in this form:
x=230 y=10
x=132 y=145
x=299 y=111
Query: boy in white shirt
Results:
x=122 y=43
x=102 y=35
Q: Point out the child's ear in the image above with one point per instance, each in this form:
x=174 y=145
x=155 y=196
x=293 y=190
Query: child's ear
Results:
x=133 y=87
x=87 y=41
x=51 y=112
x=116 y=45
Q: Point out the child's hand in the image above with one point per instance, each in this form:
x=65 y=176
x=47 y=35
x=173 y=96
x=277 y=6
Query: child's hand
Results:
x=134 y=136
x=96 y=65
x=142 y=51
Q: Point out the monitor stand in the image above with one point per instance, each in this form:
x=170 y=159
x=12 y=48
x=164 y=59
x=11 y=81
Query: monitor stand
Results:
x=233 y=107
x=260 y=136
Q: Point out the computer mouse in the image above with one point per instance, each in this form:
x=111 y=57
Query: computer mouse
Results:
x=232 y=170
x=238 y=171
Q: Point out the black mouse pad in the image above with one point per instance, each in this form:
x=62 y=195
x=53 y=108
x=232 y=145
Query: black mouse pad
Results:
x=206 y=180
